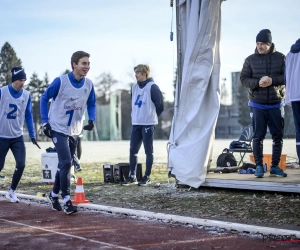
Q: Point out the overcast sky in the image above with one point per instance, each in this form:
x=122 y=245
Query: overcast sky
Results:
x=120 y=34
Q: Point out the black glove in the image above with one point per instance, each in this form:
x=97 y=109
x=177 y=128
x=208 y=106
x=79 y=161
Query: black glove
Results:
x=35 y=142
x=90 y=126
x=47 y=130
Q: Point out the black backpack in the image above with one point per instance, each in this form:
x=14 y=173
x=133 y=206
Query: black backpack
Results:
x=226 y=159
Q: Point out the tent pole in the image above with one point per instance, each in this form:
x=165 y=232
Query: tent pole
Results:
x=179 y=66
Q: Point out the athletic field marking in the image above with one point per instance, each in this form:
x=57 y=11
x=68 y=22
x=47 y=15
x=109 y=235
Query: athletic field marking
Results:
x=166 y=218
x=69 y=235
x=174 y=242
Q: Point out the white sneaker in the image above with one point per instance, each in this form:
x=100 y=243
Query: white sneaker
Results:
x=10 y=195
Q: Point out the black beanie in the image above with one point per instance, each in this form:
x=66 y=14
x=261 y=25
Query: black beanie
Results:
x=264 y=36
x=17 y=73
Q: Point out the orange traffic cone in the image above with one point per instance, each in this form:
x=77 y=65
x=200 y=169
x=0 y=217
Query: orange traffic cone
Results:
x=79 y=193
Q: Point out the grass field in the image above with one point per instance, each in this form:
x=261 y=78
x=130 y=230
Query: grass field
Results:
x=252 y=207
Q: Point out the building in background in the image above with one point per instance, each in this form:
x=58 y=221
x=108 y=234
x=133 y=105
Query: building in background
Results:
x=233 y=118
x=228 y=125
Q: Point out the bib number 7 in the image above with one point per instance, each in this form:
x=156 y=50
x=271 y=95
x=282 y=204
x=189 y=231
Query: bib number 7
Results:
x=70 y=112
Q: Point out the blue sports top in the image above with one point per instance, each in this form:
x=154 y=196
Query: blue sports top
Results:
x=28 y=112
x=156 y=95
x=52 y=92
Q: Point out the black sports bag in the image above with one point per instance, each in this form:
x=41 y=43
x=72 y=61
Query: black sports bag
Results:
x=226 y=159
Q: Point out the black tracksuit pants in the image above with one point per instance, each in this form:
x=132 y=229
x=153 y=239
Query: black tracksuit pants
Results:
x=296 y=114
x=65 y=147
x=17 y=147
x=261 y=120
x=141 y=134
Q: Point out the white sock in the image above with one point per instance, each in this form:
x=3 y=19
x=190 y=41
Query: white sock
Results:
x=53 y=194
x=66 y=199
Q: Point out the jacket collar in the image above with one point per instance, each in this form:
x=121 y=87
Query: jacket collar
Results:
x=271 y=50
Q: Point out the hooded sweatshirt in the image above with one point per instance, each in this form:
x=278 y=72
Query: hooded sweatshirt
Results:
x=292 y=74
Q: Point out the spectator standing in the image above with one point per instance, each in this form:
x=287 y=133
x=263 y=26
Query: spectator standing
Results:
x=263 y=76
x=292 y=77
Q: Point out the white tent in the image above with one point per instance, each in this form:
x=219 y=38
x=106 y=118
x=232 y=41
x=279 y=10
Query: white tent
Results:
x=197 y=99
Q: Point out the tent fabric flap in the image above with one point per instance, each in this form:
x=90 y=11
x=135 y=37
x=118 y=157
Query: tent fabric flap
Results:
x=197 y=107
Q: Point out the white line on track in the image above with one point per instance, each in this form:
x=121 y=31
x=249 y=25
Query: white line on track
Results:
x=68 y=235
x=252 y=229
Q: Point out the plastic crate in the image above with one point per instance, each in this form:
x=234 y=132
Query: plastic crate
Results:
x=268 y=160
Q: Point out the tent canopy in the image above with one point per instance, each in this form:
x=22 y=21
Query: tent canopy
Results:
x=197 y=99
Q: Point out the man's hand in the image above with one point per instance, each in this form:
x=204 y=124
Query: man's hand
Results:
x=47 y=129
x=265 y=81
x=35 y=142
x=90 y=126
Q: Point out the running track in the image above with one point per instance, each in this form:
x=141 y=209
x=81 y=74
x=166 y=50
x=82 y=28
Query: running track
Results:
x=31 y=225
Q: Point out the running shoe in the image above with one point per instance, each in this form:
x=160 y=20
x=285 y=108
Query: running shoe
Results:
x=69 y=208
x=259 y=172
x=144 y=181
x=10 y=195
x=277 y=172
x=129 y=181
x=54 y=202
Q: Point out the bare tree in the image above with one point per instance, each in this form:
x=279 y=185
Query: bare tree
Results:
x=103 y=87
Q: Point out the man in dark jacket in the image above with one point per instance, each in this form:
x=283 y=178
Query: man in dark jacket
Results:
x=263 y=76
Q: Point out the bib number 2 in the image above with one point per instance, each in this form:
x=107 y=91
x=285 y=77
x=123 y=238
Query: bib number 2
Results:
x=11 y=114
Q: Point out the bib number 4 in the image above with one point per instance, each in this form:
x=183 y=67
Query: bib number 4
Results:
x=138 y=102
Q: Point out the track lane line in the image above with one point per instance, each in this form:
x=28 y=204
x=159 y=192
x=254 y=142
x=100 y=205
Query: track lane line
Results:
x=68 y=235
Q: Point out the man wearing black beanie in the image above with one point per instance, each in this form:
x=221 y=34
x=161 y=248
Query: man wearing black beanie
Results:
x=263 y=76
x=265 y=37
x=15 y=107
